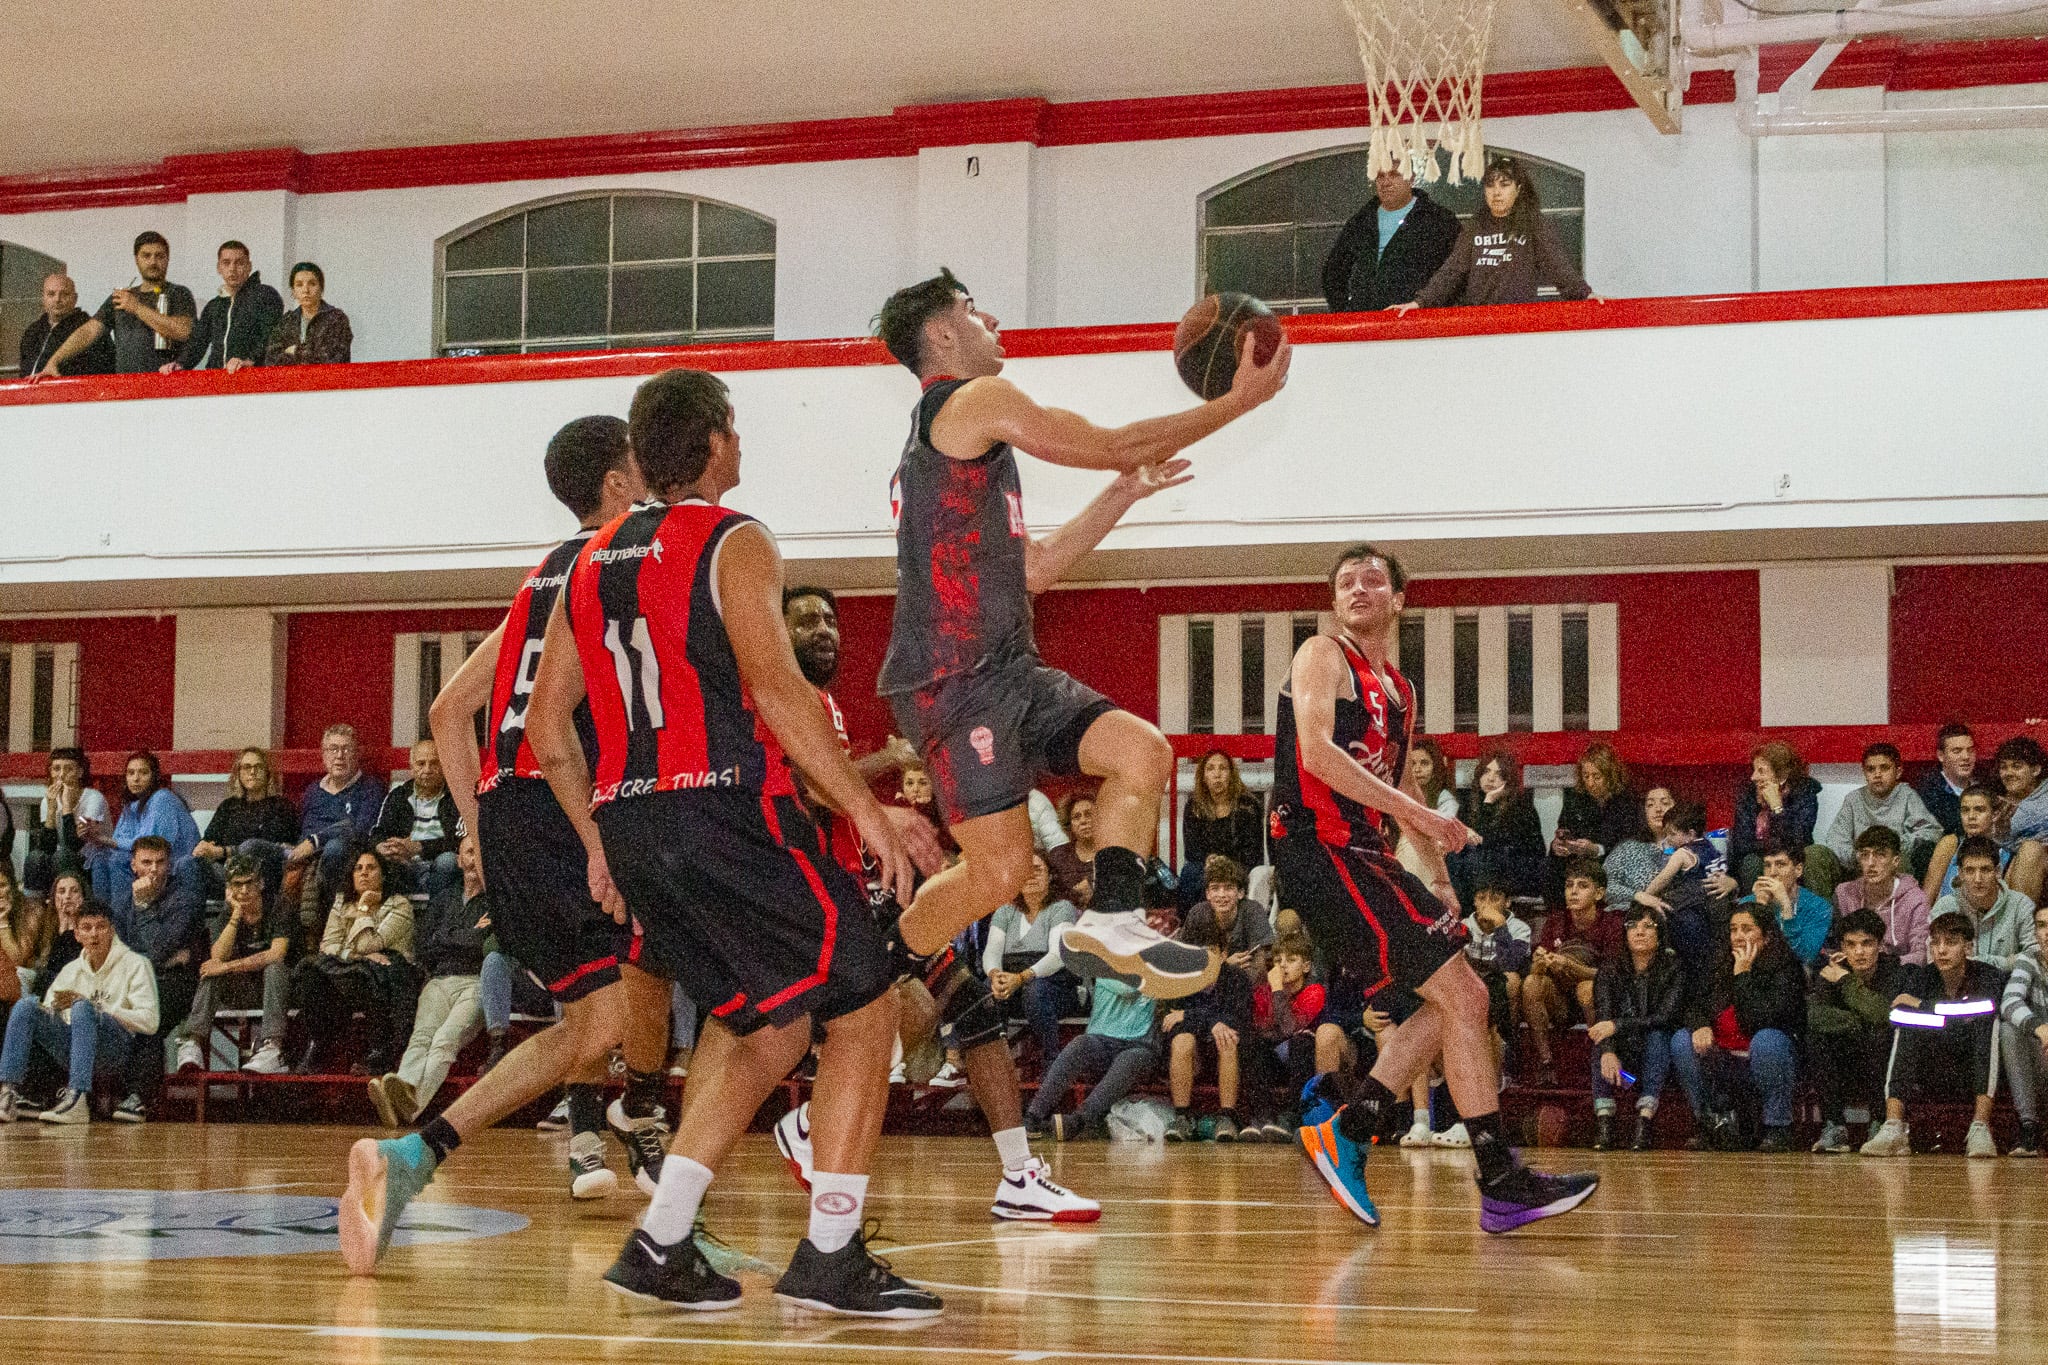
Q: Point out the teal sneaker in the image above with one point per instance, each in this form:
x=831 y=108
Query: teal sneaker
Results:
x=383 y=1177
x=1341 y=1162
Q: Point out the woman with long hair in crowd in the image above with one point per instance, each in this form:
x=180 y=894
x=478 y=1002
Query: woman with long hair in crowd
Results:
x=252 y=819
x=1507 y=253
x=1600 y=813
x=1500 y=810
x=1022 y=963
x=1743 y=1033
x=25 y=927
x=1221 y=817
x=153 y=808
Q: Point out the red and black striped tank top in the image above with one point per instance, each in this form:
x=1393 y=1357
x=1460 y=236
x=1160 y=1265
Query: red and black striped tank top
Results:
x=526 y=627
x=1372 y=726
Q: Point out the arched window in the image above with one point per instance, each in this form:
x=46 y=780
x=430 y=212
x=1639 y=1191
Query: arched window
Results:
x=600 y=271
x=21 y=297
x=1267 y=232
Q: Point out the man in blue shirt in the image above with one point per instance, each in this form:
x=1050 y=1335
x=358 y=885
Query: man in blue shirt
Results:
x=1389 y=249
x=1805 y=917
x=339 y=811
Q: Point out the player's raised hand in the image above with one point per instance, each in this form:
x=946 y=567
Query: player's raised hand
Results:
x=1148 y=479
x=1254 y=383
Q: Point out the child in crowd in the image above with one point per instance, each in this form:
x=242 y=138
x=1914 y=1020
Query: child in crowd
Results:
x=1954 y=1057
x=1693 y=869
x=1121 y=1047
x=1208 y=1024
x=1569 y=950
x=1500 y=945
x=1898 y=901
x=1282 y=1051
x=1977 y=812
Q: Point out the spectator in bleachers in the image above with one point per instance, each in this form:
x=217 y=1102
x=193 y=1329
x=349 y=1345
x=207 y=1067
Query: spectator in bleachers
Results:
x=245 y=967
x=1389 y=249
x=1898 y=900
x=1600 y=813
x=1637 y=995
x=1506 y=253
x=1781 y=803
x=1805 y=918
x=366 y=930
x=1434 y=775
x=448 y=947
x=1743 y=1030
x=1884 y=799
x=1693 y=873
x=315 y=332
x=1220 y=817
x=1073 y=863
x=1569 y=949
x=1955 y=769
x=166 y=923
x=1497 y=938
x=1208 y=1024
x=1502 y=813
x=338 y=810
x=1022 y=964
x=148 y=320
x=2023 y=822
x=61 y=316
x=252 y=821
x=26 y=928
x=235 y=325
x=1121 y=1046
x=1634 y=863
x=153 y=809
x=1848 y=1026
x=2023 y=1034
x=1953 y=1060
x=67 y=901
x=72 y=823
x=2002 y=917
x=1282 y=1052
x=1247 y=927
x=1977 y=814
x=99 y=1008
x=418 y=830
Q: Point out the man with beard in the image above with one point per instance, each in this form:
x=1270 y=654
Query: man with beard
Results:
x=1027 y=1193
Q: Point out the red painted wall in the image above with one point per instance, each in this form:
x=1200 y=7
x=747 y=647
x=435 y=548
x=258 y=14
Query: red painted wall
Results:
x=338 y=668
x=1948 y=659
x=125 y=675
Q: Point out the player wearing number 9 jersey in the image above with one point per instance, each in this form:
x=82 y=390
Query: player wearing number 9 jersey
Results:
x=671 y=628
x=539 y=897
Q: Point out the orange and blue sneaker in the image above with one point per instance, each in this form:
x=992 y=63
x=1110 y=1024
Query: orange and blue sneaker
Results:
x=1341 y=1162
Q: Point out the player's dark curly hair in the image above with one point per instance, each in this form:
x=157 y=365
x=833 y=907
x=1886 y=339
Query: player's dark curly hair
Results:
x=1351 y=554
x=802 y=590
x=901 y=322
x=671 y=422
x=578 y=458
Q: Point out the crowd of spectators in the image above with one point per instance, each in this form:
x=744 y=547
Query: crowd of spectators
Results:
x=152 y=325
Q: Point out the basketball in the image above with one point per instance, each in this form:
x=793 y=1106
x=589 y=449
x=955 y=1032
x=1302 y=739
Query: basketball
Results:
x=1205 y=345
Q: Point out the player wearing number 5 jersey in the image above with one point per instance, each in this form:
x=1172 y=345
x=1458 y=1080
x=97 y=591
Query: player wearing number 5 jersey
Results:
x=1341 y=786
x=963 y=671
x=539 y=896
x=671 y=627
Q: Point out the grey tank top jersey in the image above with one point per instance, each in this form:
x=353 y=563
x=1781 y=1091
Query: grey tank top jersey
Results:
x=961 y=599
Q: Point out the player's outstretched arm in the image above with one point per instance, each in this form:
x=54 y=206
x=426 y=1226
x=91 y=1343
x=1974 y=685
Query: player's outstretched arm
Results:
x=1317 y=677
x=750 y=598
x=452 y=721
x=551 y=729
x=993 y=409
x=1047 y=558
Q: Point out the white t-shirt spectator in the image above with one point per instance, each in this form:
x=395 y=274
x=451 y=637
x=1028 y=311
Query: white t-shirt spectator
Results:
x=92 y=805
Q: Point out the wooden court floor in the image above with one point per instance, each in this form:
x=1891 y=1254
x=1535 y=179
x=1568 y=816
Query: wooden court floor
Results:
x=221 y=1250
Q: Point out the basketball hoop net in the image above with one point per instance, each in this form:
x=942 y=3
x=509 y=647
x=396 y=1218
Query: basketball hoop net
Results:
x=1424 y=60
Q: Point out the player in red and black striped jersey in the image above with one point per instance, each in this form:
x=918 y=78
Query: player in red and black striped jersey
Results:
x=539 y=892
x=1027 y=1192
x=1341 y=787
x=671 y=629
x=963 y=671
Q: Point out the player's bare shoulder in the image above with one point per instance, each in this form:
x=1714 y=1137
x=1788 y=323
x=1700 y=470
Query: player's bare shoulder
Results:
x=976 y=415
x=1320 y=660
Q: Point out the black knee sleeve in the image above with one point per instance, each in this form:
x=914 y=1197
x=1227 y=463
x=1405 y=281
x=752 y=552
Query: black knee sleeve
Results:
x=973 y=1013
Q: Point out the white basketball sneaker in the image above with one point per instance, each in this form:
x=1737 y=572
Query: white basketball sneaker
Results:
x=1119 y=943
x=793 y=1140
x=1031 y=1196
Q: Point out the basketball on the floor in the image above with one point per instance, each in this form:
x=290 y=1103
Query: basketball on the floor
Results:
x=1205 y=345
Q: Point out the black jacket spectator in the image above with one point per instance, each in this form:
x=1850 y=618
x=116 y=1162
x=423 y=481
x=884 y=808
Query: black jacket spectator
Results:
x=238 y=819
x=236 y=327
x=1240 y=836
x=1793 y=823
x=446 y=941
x=323 y=339
x=1944 y=805
x=1606 y=823
x=41 y=341
x=1511 y=840
x=1771 y=994
x=1359 y=277
x=395 y=821
x=1641 y=1005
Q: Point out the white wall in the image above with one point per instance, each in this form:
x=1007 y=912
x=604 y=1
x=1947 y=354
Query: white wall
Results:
x=1110 y=228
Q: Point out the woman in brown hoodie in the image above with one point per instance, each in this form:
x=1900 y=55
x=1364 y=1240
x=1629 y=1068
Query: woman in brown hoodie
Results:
x=1505 y=253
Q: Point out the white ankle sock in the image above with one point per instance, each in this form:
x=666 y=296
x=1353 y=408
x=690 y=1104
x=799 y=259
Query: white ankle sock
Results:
x=676 y=1199
x=836 y=1202
x=1013 y=1145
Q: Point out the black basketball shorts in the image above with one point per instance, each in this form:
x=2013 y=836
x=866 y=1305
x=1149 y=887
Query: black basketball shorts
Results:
x=537 y=884
x=1369 y=915
x=987 y=736
x=739 y=902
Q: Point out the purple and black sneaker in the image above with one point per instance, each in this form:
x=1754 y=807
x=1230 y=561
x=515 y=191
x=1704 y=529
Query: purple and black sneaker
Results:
x=1522 y=1196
